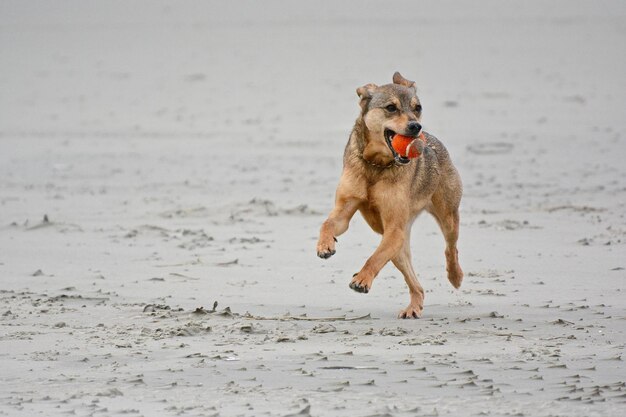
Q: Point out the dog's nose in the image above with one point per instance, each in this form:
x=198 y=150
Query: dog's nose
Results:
x=413 y=128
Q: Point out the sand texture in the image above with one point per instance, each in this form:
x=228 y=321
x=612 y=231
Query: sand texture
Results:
x=165 y=168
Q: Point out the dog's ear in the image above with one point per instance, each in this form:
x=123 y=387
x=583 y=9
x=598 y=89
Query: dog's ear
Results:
x=399 y=79
x=365 y=94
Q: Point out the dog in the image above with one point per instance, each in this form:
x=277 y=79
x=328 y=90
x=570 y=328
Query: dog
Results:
x=390 y=191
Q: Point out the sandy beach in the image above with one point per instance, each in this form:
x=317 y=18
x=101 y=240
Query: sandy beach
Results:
x=165 y=168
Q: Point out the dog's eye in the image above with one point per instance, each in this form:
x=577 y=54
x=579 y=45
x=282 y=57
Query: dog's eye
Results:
x=418 y=108
x=391 y=108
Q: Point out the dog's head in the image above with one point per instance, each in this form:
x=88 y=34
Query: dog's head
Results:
x=387 y=110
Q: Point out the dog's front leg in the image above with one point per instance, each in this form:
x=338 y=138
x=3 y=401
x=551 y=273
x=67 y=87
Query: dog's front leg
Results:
x=392 y=242
x=336 y=224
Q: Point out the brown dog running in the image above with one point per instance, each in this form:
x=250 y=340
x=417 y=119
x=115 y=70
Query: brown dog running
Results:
x=390 y=190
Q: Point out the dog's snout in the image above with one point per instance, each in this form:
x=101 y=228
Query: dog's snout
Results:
x=413 y=128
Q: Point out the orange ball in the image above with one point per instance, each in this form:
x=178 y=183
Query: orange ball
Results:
x=405 y=147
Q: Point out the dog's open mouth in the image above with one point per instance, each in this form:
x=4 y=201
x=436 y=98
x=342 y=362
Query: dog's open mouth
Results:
x=400 y=160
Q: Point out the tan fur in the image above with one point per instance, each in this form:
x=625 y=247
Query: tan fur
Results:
x=389 y=195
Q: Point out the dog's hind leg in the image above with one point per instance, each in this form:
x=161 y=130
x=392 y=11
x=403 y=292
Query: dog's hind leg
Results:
x=448 y=219
x=402 y=261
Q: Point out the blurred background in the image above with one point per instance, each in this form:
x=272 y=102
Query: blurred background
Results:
x=116 y=114
x=290 y=69
x=158 y=156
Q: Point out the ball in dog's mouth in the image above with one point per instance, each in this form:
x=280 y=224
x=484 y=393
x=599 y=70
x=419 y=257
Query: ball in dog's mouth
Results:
x=400 y=160
x=402 y=146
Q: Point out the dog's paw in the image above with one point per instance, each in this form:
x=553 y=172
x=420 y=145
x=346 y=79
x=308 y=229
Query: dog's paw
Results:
x=455 y=273
x=359 y=284
x=326 y=249
x=325 y=252
x=413 y=311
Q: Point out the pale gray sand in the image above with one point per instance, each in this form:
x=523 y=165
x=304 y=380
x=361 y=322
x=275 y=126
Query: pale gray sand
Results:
x=185 y=153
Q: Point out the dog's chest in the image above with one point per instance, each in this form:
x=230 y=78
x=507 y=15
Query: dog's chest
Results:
x=384 y=195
